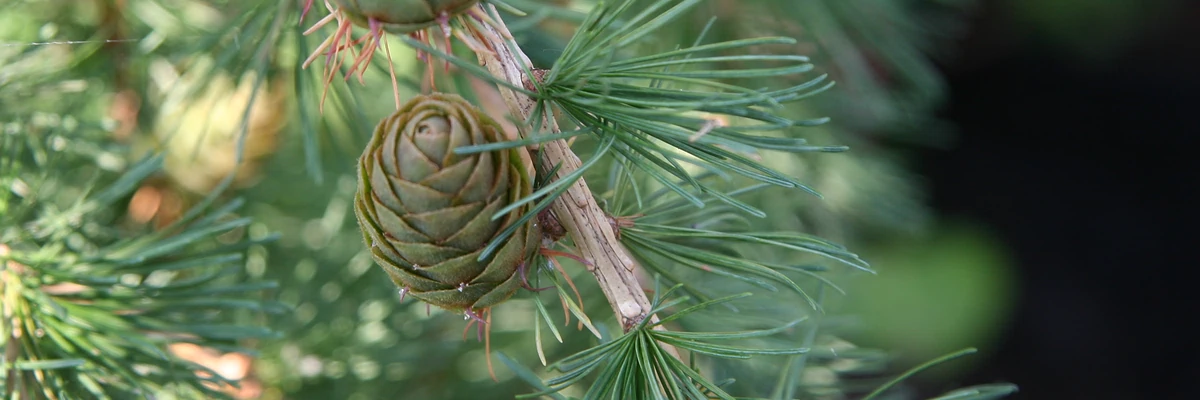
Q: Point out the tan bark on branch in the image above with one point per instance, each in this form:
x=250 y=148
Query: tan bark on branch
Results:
x=576 y=210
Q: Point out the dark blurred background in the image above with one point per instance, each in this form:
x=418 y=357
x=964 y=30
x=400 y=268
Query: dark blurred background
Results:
x=1077 y=125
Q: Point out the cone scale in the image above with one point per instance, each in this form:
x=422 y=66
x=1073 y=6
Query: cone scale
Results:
x=426 y=213
x=402 y=16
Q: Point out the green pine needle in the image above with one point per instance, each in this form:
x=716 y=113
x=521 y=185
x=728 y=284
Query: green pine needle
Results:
x=666 y=236
x=675 y=106
x=85 y=307
x=917 y=369
x=635 y=366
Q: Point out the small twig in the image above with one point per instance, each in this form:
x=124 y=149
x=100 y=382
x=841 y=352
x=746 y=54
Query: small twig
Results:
x=576 y=210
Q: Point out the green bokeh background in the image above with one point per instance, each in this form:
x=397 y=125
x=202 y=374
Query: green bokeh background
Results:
x=944 y=283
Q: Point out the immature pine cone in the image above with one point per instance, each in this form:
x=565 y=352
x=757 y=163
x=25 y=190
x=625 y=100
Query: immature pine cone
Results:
x=402 y=16
x=426 y=213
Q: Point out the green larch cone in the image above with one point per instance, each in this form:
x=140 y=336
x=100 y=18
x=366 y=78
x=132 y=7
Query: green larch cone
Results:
x=402 y=16
x=426 y=213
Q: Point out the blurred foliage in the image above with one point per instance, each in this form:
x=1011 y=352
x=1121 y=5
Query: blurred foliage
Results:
x=946 y=290
x=178 y=75
x=97 y=304
x=1089 y=30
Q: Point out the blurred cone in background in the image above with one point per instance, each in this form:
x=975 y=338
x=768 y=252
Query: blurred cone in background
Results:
x=201 y=116
x=200 y=122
